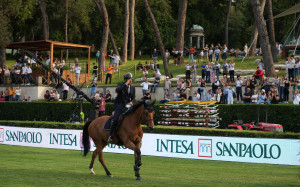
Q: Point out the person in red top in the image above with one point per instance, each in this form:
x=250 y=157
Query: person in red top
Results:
x=259 y=73
x=109 y=74
x=191 y=54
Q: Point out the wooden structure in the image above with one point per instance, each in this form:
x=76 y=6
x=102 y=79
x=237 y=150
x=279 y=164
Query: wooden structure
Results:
x=48 y=45
x=287 y=48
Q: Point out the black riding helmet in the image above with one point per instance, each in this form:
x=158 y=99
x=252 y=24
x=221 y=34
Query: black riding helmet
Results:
x=127 y=76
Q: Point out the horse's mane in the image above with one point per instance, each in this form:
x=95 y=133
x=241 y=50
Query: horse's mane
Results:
x=134 y=107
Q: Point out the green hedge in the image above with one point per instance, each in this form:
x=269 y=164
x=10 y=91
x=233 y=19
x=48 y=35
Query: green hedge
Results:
x=287 y=115
x=162 y=130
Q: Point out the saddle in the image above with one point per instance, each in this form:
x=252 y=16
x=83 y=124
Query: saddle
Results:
x=109 y=122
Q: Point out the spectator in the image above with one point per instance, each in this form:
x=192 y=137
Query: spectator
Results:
x=239 y=84
x=217 y=69
x=6 y=75
x=203 y=70
x=11 y=94
x=29 y=72
x=168 y=55
x=17 y=74
x=208 y=68
x=107 y=96
x=281 y=88
x=188 y=88
x=246 y=49
x=102 y=106
x=145 y=74
x=259 y=73
x=254 y=97
x=182 y=95
x=111 y=54
x=47 y=96
x=191 y=53
x=94 y=86
x=275 y=98
x=297 y=67
x=225 y=68
x=6 y=94
x=109 y=73
x=247 y=96
x=219 y=96
x=25 y=98
x=260 y=64
x=65 y=91
x=217 y=53
x=262 y=97
x=206 y=51
x=147 y=95
x=194 y=72
x=97 y=56
x=210 y=54
x=145 y=86
x=77 y=73
x=179 y=83
x=183 y=85
x=209 y=95
x=167 y=84
x=291 y=67
x=188 y=71
x=152 y=65
x=215 y=85
x=253 y=84
x=201 y=88
x=287 y=86
x=56 y=96
x=176 y=95
x=18 y=93
x=155 y=56
x=296 y=100
x=156 y=70
x=147 y=65
x=140 y=66
x=95 y=69
x=224 y=52
x=231 y=70
x=69 y=79
x=212 y=73
x=156 y=83
x=230 y=92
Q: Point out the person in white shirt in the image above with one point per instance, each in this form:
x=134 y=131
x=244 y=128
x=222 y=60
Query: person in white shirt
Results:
x=47 y=61
x=115 y=61
x=231 y=70
x=238 y=87
x=24 y=73
x=29 y=72
x=246 y=49
x=291 y=67
x=145 y=86
x=254 y=97
x=168 y=55
x=77 y=73
x=296 y=100
x=65 y=91
x=188 y=71
x=18 y=93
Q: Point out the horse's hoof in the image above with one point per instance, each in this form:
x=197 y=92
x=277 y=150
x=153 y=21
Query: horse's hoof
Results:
x=139 y=179
x=92 y=171
x=110 y=176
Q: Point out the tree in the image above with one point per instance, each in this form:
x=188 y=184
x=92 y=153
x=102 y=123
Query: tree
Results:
x=131 y=30
x=263 y=38
x=42 y=5
x=181 y=24
x=271 y=30
x=103 y=47
x=227 y=22
x=126 y=24
x=254 y=35
x=158 y=38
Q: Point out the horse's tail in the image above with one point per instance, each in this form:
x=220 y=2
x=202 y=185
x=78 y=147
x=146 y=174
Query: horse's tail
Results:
x=86 y=138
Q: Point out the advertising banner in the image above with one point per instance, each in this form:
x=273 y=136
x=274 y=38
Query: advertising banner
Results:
x=252 y=150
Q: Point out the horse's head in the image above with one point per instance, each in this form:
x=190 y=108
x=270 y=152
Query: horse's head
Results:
x=148 y=114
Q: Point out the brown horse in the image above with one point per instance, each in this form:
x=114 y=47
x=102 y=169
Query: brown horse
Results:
x=129 y=134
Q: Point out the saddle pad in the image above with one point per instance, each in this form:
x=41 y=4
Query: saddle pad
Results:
x=108 y=124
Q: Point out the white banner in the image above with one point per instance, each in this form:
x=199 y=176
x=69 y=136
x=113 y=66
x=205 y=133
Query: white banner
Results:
x=253 y=150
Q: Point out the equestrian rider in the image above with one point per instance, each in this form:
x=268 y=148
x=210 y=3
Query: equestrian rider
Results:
x=126 y=96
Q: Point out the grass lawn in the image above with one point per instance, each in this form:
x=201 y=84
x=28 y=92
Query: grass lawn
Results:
x=248 y=63
x=26 y=166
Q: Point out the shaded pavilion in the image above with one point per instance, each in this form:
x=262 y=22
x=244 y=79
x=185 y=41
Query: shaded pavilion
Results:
x=48 y=45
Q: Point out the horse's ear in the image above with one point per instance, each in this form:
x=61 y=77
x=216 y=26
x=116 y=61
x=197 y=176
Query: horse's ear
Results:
x=153 y=102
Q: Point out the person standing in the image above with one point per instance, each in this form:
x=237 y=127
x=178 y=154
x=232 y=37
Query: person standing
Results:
x=77 y=73
x=210 y=54
x=239 y=84
x=168 y=55
x=155 y=56
x=95 y=68
x=18 y=93
x=101 y=105
x=65 y=91
x=224 y=53
x=208 y=68
x=217 y=53
x=93 y=89
x=188 y=71
x=225 y=68
x=217 y=69
x=287 y=86
x=109 y=73
x=191 y=54
x=188 y=88
x=230 y=92
x=281 y=89
x=203 y=70
x=291 y=68
x=194 y=72
x=125 y=96
x=246 y=49
x=145 y=86
x=11 y=94
x=247 y=96
x=111 y=54
x=6 y=94
x=231 y=70
x=167 y=84
x=24 y=74
x=206 y=51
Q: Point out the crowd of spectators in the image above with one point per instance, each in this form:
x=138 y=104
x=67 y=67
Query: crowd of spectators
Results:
x=11 y=94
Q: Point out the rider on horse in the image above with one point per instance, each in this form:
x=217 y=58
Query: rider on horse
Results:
x=126 y=95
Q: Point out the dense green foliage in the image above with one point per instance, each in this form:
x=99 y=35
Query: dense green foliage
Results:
x=23 y=19
x=286 y=115
x=161 y=130
x=28 y=166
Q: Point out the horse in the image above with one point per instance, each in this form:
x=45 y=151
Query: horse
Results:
x=129 y=133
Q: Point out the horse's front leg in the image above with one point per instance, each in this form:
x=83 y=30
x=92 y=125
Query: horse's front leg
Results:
x=137 y=156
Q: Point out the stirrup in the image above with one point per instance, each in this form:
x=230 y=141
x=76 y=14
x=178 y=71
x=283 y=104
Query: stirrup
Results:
x=110 y=139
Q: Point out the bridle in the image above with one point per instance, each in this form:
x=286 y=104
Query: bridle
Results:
x=146 y=121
